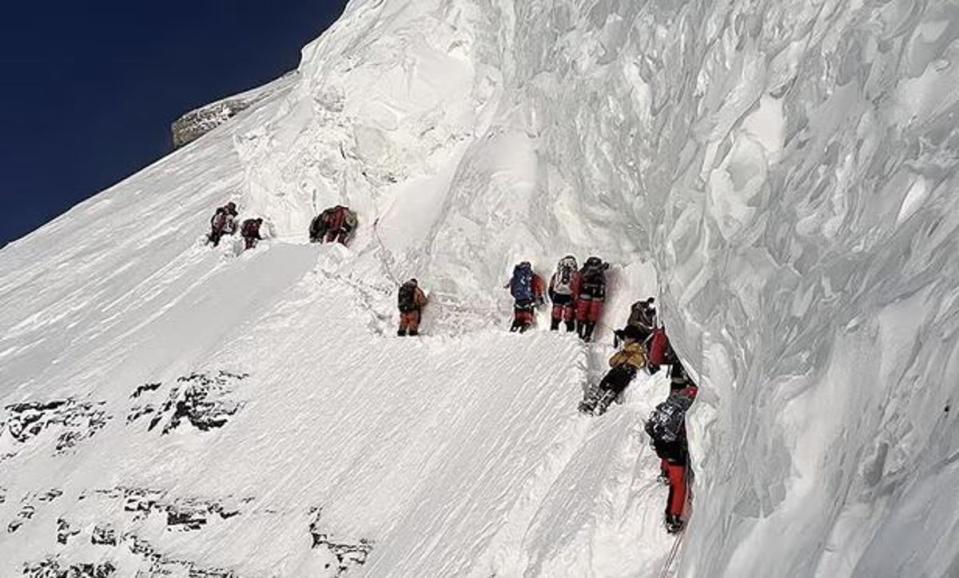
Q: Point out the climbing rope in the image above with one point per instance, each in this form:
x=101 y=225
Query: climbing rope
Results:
x=384 y=261
x=667 y=566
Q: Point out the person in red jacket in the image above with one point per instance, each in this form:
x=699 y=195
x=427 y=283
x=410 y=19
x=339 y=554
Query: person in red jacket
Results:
x=410 y=301
x=526 y=287
x=590 y=296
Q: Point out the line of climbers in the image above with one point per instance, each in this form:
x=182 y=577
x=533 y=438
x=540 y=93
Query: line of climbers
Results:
x=578 y=296
x=335 y=224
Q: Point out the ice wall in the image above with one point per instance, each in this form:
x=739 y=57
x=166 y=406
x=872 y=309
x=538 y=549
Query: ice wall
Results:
x=786 y=166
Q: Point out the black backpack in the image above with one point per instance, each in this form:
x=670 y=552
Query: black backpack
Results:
x=668 y=420
x=406 y=300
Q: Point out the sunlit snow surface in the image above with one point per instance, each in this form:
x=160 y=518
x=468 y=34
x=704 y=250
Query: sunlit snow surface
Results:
x=780 y=172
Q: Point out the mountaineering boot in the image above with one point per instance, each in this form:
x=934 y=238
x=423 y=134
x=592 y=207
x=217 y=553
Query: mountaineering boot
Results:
x=570 y=326
x=523 y=327
x=588 y=331
x=553 y=324
x=401 y=333
x=590 y=397
x=414 y=333
x=674 y=524
x=606 y=397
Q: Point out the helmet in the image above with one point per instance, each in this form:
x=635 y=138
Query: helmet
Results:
x=650 y=301
x=594 y=262
x=413 y=281
x=231 y=205
x=525 y=265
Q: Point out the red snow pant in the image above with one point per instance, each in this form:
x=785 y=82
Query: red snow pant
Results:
x=410 y=321
x=523 y=315
x=564 y=308
x=676 y=474
x=588 y=310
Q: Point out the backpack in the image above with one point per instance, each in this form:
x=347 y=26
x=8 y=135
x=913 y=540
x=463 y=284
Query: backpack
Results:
x=406 y=300
x=521 y=285
x=659 y=347
x=218 y=222
x=593 y=279
x=563 y=278
x=251 y=228
x=667 y=421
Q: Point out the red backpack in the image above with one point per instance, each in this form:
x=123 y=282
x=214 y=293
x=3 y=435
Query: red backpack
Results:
x=659 y=347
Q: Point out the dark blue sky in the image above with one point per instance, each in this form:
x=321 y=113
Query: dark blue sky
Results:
x=88 y=89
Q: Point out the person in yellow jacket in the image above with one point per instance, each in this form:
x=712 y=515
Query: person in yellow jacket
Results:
x=624 y=365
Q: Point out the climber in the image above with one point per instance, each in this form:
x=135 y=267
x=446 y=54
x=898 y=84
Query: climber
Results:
x=526 y=287
x=642 y=315
x=625 y=364
x=222 y=223
x=590 y=296
x=667 y=431
x=251 y=232
x=411 y=301
x=660 y=351
x=563 y=286
x=334 y=224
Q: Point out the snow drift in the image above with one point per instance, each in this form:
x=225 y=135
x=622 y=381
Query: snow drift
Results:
x=779 y=173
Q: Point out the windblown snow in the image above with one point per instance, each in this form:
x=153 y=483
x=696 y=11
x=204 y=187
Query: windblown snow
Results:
x=778 y=173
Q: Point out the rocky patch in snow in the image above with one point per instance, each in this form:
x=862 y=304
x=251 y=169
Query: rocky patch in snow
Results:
x=52 y=568
x=202 y=399
x=103 y=535
x=182 y=514
x=163 y=565
x=347 y=553
x=30 y=507
x=76 y=421
x=197 y=123
x=65 y=531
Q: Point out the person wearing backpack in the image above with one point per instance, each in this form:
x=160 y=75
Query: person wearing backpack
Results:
x=642 y=316
x=591 y=296
x=563 y=286
x=222 y=223
x=666 y=428
x=410 y=301
x=526 y=287
x=335 y=224
x=624 y=364
x=251 y=232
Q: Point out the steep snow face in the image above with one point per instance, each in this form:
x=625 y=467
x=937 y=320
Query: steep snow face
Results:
x=784 y=167
x=777 y=172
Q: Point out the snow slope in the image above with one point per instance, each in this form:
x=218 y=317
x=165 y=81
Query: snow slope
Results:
x=778 y=173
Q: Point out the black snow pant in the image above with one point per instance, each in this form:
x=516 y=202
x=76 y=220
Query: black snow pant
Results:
x=618 y=378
